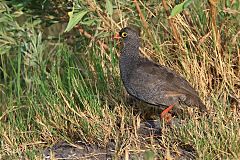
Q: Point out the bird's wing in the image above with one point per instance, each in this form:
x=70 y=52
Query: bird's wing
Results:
x=166 y=75
x=157 y=85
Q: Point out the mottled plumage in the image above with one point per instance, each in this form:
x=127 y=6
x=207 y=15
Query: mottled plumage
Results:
x=150 y=82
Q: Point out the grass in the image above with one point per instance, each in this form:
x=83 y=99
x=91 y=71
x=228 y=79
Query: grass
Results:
x=68 y=87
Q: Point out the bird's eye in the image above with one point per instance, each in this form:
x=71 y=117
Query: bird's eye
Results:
x=124 y=34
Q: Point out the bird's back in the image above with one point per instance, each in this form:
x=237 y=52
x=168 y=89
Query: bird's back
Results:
x=158 y=85
x=150 y=82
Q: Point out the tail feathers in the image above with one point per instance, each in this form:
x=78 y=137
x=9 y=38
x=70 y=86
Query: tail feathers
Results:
x=202 y=106
x=195 y=101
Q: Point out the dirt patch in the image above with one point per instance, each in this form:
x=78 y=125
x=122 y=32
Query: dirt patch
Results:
x=148 y=130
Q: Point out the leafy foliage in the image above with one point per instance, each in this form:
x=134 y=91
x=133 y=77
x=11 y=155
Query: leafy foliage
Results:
x=65 y=85
x=180 y=7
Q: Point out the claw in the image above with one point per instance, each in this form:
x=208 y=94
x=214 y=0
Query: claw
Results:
x=165 y=114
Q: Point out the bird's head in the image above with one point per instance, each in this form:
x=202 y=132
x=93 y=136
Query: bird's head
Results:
x=128 y=34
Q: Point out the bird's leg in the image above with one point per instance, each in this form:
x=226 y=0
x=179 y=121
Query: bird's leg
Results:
x=165 y=112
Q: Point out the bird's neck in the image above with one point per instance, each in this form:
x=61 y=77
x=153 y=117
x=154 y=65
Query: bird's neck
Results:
x=130 y=54
x=129 y=58
x=130 y=49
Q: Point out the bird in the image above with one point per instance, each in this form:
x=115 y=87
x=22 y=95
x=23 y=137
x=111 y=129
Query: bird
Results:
x=150 y=82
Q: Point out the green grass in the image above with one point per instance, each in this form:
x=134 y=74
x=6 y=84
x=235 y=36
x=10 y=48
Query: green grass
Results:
x=68 y=87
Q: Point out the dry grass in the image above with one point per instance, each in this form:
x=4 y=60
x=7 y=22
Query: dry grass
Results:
x=79 y=95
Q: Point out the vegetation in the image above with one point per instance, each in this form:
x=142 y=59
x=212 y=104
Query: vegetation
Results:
x=56 y=85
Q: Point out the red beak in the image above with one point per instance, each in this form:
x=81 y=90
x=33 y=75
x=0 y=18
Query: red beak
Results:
x=117 y=36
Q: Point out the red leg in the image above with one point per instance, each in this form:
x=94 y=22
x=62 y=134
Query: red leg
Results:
x=165 y=111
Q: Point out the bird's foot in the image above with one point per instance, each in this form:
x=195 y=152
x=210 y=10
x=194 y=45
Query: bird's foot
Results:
x=165 y=115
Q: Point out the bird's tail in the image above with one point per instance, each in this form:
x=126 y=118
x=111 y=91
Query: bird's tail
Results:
x=196 y=101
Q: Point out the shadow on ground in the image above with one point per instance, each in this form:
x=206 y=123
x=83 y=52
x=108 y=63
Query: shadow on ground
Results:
x=149 y=129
